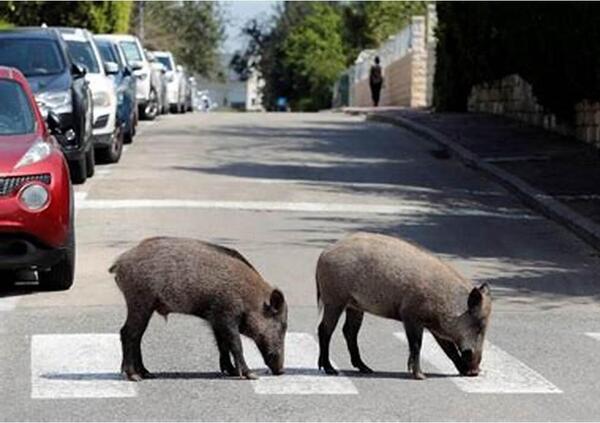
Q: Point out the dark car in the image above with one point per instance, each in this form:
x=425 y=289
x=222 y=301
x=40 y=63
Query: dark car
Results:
x=59 y=85
x=125 y=83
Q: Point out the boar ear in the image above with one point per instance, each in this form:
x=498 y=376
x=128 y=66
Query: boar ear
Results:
x=276 y=302
x=475 y=299
x=484 y=288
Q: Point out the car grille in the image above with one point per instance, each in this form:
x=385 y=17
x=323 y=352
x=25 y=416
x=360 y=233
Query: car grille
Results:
x=10 y=184
x=101 y=122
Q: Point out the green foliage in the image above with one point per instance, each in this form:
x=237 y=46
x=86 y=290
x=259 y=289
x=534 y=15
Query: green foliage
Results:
x=192 y=30
x=302 y=51
x=554 y=46
x=367 y=24
x=97 y=16
x=314 y=55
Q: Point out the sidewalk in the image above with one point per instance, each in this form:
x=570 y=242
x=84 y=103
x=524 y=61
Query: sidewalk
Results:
x=556 y=175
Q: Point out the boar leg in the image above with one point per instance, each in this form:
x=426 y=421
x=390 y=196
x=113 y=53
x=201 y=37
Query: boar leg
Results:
x=230 y=334
x=331 y=315
x=452 y=352
x=224 y=356
x=132 y=366
x=414 y=334
x=352 y=325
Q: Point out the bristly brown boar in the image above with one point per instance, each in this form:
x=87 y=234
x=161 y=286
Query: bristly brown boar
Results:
x=395 y=279
x=215 y=283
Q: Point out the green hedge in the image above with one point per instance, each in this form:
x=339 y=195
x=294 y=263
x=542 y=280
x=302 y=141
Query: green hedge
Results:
x=554 y=46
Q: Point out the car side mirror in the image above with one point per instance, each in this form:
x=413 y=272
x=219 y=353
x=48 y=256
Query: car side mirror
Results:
x=179 y=68
x=78 y=71
x=137 y=65
x=53 y=122
x=127 y=71
x=111 y=68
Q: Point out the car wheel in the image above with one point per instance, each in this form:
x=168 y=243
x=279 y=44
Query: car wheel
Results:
x=112 y=154
x=78 y=170
x=128 y=137
x=90 y=161
x=151 y=110
x=60 y=276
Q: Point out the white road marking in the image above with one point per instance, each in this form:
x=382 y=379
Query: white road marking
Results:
x=301 y=375
x=77 y=366
x=594 y=335
x=501 y=373
x=8 y=303
x=399 y=187
x=387 y=209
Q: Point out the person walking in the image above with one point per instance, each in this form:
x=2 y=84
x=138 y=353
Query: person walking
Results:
x=376 y=81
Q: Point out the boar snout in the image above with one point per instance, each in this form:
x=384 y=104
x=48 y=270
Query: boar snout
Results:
x=275 y=364
x=471 y=363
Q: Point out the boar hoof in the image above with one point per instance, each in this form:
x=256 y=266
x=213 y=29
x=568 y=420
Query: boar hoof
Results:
x=419 y=376
x=250 y=376
x=364 y=369
x=329 y=370
x=134 y=377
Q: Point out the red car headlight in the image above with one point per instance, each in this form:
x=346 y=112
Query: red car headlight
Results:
x=34 y=197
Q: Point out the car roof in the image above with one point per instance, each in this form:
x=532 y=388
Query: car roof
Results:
x=162 y=53
x=12 y=74
x=74 y=34
x=119 y=37
x=30 y=32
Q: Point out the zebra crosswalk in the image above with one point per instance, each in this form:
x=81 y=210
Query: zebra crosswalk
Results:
x=86 y=366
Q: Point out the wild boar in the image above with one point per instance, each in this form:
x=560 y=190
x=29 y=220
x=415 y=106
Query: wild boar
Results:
x=395 y=279
x=215 y=283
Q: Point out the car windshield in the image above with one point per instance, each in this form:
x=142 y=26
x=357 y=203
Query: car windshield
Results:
x=131 y=50
x=16 y=116
x=165 y=61
x=33 y=57
x=83 y=54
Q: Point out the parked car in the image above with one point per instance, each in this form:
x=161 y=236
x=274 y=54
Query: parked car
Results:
x=36 y=196
x=59 y=86
x=147 y=85
x=175 y=81
x=125 y=84
x=190 y=93
x=159 y=71
x=108 y=138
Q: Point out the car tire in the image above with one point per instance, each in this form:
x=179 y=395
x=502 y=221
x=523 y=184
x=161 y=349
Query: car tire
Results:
x=150 y=110
x=128 y=137
x=78 y=170
x=60 y=276
x=90 y=163
x=112 y=154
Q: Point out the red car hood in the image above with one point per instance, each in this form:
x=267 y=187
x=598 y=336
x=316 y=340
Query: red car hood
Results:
x=12 y=148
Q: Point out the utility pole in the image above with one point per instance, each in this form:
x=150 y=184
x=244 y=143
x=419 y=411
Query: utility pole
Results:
x=141 y=20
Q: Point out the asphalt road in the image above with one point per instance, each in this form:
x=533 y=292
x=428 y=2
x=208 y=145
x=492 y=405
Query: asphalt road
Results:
x=281 y=187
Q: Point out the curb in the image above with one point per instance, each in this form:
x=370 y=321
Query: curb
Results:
x=581 y=226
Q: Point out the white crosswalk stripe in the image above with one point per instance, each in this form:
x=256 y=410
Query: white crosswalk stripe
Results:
x=77 y=366
x=594 y=335
x=501 y=372
x=302 y=376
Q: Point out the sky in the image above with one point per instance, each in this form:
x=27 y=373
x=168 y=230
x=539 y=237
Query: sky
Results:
x=238 y=13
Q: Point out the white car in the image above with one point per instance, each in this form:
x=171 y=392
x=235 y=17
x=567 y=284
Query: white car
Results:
x=147 y=83
x=175 y=81
x=108 y=140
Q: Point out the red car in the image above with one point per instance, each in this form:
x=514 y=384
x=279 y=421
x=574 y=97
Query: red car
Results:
x=36 y=196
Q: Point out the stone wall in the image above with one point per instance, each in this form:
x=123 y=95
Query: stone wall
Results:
x=513 y=97
x=408 y=79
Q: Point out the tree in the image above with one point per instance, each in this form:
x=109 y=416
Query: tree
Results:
x=97 y=16
x=314 y=54
x=191 y=30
